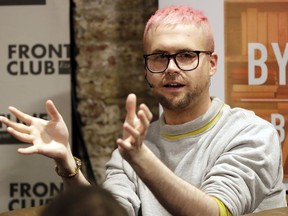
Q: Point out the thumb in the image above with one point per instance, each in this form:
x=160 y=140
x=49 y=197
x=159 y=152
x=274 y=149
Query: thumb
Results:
x=130 y=108
x=52 y=111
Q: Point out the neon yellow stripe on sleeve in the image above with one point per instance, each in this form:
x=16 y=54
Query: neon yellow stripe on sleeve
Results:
x=223 y=210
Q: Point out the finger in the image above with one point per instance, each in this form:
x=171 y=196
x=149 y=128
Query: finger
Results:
x=145 y=122
x=130 y=108
x=147 y=111
x=52 y=111
x=46 y=150
x=133 y=133
x=29 y=150
x=16 y=126
x=24 y=137
x=27 y=119
x=123 y=145
x=145 y=116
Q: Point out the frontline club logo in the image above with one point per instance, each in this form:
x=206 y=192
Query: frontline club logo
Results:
x=22 y=2
x=25 y=194
x=38 y=59
x=34 y=60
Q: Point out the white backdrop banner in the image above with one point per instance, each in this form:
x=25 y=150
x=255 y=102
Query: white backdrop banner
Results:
x=34 y=67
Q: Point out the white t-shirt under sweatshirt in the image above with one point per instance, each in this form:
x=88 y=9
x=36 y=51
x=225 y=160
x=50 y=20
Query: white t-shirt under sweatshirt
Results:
x=228 y=153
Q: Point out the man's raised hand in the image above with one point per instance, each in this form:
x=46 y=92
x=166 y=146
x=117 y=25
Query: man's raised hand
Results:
x=48 y=137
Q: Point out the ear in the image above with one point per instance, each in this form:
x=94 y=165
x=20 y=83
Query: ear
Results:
x=213 y=63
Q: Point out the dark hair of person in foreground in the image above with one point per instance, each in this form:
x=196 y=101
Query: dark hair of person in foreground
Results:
x=84 y=201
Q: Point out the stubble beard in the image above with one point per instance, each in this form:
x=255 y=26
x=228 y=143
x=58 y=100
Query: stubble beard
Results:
x=179 y=103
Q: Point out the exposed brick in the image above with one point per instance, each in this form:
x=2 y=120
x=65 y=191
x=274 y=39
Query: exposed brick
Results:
x=108 y=37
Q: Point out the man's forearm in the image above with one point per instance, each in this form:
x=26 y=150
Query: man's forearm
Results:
x=68 y=165
x=176 y=195
x=79 y=179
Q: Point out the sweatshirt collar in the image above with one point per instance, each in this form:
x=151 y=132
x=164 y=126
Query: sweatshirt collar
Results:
x=194 y=127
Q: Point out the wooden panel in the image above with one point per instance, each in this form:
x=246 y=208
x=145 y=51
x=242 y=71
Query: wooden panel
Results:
x=259 y=21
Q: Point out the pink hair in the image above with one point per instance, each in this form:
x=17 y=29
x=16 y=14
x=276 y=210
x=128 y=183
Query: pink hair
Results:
x=183 y=15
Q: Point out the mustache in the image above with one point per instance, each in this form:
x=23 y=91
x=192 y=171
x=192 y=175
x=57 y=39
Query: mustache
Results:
x=173 y=77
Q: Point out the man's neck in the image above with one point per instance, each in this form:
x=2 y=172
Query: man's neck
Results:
x=187 y=114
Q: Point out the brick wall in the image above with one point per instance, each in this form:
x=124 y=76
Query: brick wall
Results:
x=108 y=37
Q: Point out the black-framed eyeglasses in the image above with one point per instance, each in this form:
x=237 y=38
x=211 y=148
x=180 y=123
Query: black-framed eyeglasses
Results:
x=185 y=60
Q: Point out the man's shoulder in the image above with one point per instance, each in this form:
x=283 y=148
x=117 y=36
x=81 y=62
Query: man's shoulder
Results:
x=246 y=117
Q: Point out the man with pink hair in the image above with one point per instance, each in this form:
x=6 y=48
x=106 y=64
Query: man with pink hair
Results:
x=201 y=157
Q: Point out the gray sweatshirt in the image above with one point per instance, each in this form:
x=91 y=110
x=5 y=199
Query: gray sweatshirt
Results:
x=228 y=153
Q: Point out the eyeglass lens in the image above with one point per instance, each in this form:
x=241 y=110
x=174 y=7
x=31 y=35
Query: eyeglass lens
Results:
x=159 y=62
